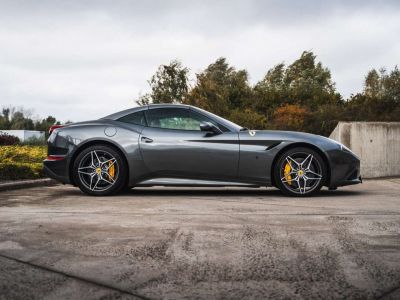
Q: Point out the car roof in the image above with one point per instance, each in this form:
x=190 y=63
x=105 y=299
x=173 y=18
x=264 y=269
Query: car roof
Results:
x=167 y=105
x=224 y=122
x=128 y=111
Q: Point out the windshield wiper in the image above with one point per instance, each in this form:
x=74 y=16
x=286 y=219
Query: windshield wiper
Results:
x=244 y=129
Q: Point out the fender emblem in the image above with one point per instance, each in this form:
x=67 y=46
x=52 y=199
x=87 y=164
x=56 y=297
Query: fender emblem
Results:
x=252 y=133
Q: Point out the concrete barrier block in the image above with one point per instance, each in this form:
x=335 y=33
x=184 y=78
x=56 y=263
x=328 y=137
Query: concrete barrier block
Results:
x=376 y=143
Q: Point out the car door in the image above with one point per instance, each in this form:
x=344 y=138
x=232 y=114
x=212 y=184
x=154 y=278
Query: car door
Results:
x=173 y=145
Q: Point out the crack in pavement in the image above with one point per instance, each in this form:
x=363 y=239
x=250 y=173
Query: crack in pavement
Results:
x=388 y=293
x=82 y=279
x=202 y=214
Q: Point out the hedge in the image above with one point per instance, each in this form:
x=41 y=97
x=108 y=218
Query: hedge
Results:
x=13 y=171
x=22 y=154
x=22 y=162
x=6 y=139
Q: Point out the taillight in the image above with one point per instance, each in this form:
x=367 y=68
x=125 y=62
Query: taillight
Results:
x=55 y=157
x=54 y=127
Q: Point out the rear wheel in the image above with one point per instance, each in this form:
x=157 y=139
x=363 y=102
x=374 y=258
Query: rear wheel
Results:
x=300 y=172
x=100 y=170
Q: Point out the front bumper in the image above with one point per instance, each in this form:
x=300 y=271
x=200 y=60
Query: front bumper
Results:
x=345 y=169
x=350 y=182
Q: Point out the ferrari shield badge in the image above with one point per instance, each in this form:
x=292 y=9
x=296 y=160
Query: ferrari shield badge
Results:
x=252 y=132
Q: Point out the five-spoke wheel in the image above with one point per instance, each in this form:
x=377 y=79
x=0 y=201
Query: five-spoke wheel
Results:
x=99 y=170
x=300 y=172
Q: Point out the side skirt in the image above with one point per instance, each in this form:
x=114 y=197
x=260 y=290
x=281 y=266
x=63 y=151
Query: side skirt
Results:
x=192 y=182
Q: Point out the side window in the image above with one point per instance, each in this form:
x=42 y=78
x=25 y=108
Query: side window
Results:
x=171 y=118
x=136 y=118
x=177 y=118
x=201 y=119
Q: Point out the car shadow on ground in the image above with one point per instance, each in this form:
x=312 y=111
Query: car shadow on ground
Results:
x=207 y=192
x=215 y=192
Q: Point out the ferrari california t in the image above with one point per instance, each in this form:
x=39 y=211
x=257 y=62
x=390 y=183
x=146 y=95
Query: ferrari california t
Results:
x=180 y=145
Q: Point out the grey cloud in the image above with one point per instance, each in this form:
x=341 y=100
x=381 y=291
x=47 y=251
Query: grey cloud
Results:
x=206 y=14
x=81 y=59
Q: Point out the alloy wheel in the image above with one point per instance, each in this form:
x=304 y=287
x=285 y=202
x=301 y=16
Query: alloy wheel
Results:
x=98 y=170
x=301 y=173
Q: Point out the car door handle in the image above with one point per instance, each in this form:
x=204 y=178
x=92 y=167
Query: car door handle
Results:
x=145 y=139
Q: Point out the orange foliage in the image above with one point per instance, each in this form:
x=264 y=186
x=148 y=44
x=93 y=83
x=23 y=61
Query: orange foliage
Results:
x=290 y=117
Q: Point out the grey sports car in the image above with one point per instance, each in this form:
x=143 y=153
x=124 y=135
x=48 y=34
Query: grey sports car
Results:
x=180 y=145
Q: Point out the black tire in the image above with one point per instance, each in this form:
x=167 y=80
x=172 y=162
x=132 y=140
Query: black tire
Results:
x=297 y=181
x=95 y=182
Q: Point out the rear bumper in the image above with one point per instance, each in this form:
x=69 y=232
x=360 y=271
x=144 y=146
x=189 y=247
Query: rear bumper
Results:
x=56 y=170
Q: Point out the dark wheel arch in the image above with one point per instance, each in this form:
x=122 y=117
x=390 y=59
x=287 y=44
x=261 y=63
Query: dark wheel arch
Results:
x=89 y=144
x=305 y=145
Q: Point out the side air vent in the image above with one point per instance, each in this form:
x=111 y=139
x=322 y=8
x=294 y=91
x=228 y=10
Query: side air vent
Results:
x=272 y=146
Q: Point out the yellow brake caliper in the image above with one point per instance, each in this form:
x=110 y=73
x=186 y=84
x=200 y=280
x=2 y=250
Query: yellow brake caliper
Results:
x=286 y=172
x=111 y=169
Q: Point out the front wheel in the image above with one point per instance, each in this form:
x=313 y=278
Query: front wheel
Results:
x=300 y=172
x=100 y=170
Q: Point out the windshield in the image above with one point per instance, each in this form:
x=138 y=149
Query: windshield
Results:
x=222 y=120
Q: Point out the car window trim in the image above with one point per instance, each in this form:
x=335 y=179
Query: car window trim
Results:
x=232 y=127
x=183 y=108
x=207 y=117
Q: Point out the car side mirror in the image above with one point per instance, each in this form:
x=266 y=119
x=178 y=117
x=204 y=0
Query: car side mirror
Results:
x=210 y=127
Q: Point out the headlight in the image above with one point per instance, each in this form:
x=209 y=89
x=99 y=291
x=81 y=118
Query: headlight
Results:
x=344 y=148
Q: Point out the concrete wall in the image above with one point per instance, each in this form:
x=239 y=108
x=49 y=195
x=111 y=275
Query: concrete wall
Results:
x=25 y=135
x=376 y=143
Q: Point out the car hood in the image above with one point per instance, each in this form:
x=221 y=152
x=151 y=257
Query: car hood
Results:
x=289 y=137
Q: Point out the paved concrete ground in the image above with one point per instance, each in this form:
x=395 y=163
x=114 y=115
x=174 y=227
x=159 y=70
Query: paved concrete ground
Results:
x=201 y=243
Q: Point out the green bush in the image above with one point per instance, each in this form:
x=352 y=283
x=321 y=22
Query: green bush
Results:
x=13 y=171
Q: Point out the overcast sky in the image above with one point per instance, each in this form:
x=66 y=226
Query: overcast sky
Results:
x=79 y=60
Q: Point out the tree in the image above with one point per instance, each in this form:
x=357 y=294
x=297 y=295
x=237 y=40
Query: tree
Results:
x=19 y=121
x=383 y=86
x=45 y=124
x=372 y=84
x=304 y=82
x=272 y=91
x=291 y=117
x=249 y=118
x=380 y=99
x=392 y=85
x=310 y=83
x=220 y=89
x=168 y=85
x=19 y=118
x=298 y=96
x=5 y=119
